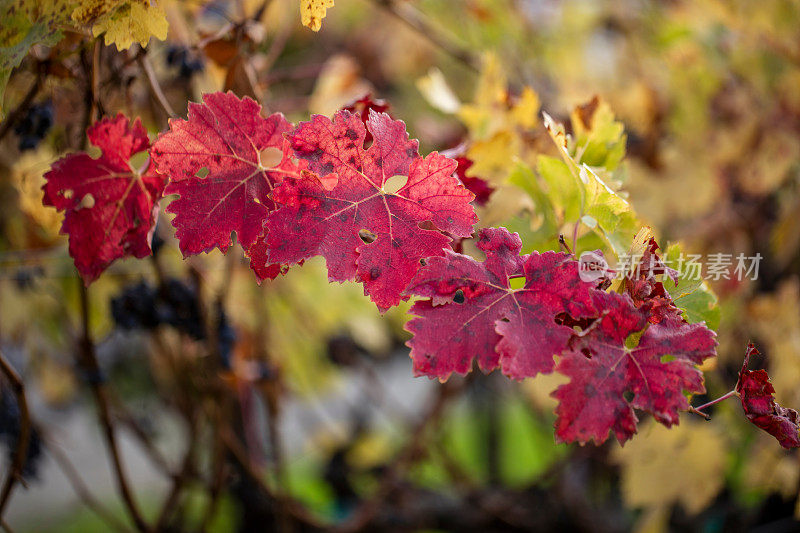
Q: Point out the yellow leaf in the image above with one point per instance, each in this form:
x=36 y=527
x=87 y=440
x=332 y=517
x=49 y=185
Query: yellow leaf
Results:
x=27 y=174
x=493 y=157
x=661 y=466
x=131 y=22
x=90 y=11
x=525 y=112
x=437 y=92
x=313 y=11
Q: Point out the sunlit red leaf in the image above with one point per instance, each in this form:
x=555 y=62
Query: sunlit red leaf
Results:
x=612 y=372
x=474 y=314
x=347 y=215
x=217 y=161
x=109 y=207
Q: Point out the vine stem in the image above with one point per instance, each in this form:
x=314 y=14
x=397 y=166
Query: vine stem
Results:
x=155 y=88
x=18 y=462
x=413 y=19
x=92 y=367
x=698 y=410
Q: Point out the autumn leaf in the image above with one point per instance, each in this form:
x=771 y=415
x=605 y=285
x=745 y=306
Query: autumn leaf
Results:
x=313 y=11
x=26 y=23
x=611 y=372
x=216 y=161
x=362 y=107
x=372 y=213
x=758 y=401
x=473 y=313
x=477 y=186
x=689 y=462
x=110 y=208
x=132 y=22
x=123 y=22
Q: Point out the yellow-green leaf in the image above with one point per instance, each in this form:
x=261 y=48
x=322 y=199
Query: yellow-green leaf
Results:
x=313 y=11
x=132 y=22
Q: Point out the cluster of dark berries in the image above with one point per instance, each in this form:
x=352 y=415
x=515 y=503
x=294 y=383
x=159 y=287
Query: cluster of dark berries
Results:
x=142 y=306
x=185 y=60
x=34 y=125
x=145 y=307
x=9 y=433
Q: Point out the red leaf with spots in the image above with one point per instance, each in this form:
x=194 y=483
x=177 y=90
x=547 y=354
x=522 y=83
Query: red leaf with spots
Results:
x=644 y=288
x=341 y=208
x=606 y=363
x=473 y=313
x=362 y=107
x=758 y=400
x=109 y=207
x=217 y=161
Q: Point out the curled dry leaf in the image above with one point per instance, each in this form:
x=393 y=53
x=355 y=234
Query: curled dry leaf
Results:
x=758 y=401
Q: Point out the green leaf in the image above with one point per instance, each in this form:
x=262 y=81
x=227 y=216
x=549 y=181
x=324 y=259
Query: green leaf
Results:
x=692 y=296
x=562 y=188
x=26 y=23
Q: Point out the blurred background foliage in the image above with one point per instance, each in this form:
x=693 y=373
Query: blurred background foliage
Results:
x=688 y=113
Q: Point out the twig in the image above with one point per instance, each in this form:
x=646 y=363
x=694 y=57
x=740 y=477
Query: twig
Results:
x=412 y=18
x=564 y=246
x=91 y=366
x=23 y=106
x=180 y=480
x=240 y=454
x=368 y=510
x=78 y=485
x=127 y=420
x=18 y=463
x=697 y=410
x=5 y=526
x=155 y=88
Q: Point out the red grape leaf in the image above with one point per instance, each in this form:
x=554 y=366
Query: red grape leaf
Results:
x=756 y=393
x=473 y=313
x=643 y=286
x=109 y=208
x=362 y=107
x=363 y=231
x=477 y=186
x=224 y=137
x=605 y=363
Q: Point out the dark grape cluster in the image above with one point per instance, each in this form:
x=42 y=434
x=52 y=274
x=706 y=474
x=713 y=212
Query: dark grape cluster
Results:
x=226 y=337
x=185 y=60
x=145 y=307
x=34 y=125
x=9 y=433
x=142 y=306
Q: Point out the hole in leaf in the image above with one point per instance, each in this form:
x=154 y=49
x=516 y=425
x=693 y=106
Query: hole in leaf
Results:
x=138 y=161
x=628 y=395
x=367 y=236
x=270 y=157
x=202 y=173
x=422 y=261
x=394 y=184
x=68 y=193
x=517 y=283
x=87 y=202
x=459 y=297
x=632 y=341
